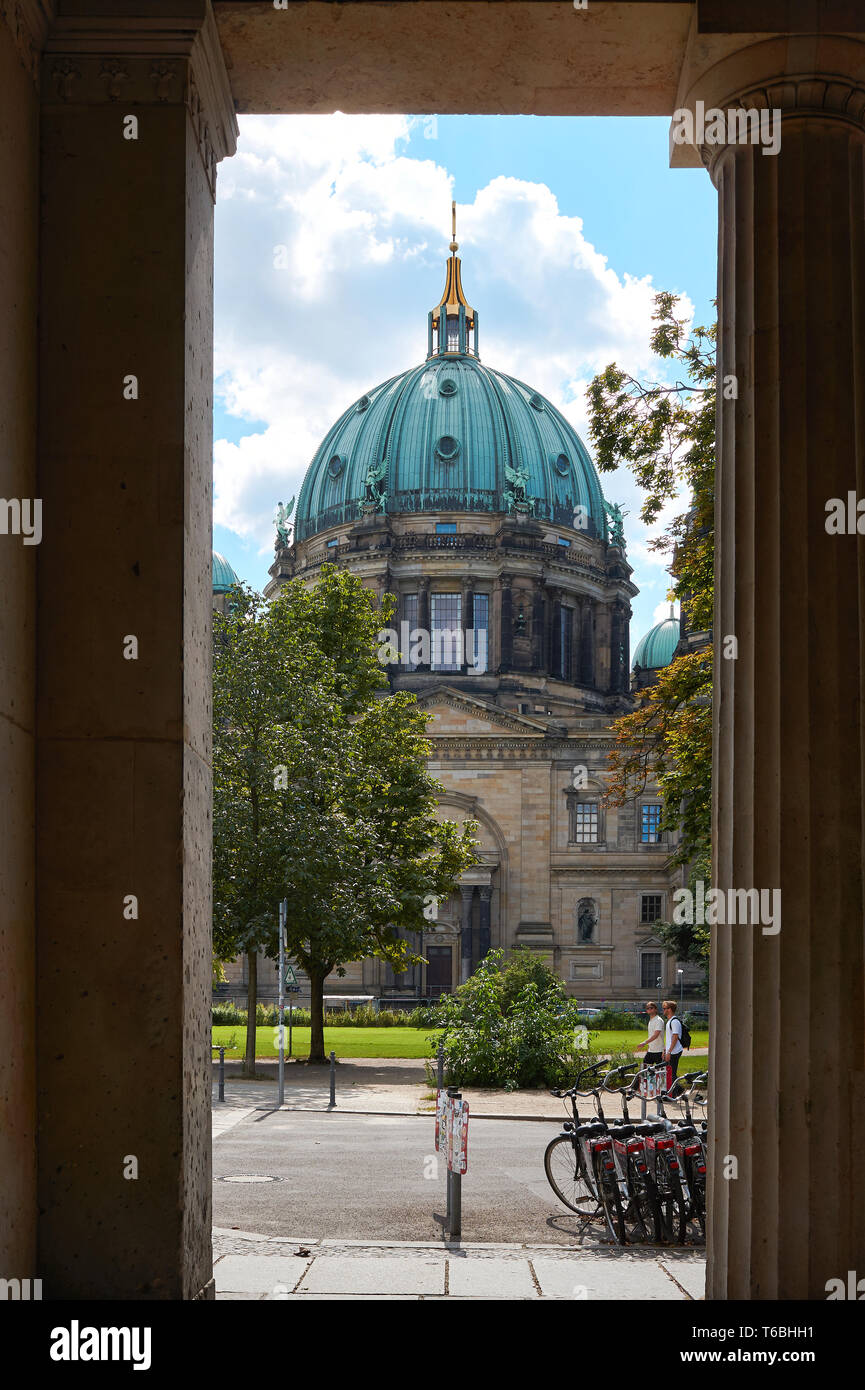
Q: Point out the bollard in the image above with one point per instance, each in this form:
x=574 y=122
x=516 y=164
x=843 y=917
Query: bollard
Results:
x=440 y=1057
x=222 y=1073
x=454 y=1222
x=333 y=1079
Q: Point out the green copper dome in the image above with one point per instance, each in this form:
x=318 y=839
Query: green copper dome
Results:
x=656 y=648
x=223 y=575
x=451 y=435
x=445 y=432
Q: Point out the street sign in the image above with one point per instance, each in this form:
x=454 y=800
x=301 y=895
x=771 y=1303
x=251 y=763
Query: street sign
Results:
x=290 y=979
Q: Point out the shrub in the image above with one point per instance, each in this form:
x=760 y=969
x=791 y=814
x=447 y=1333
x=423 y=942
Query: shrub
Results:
x=510 y=1025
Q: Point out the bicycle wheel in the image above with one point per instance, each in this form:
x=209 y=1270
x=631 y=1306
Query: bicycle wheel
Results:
x=565 y=1175
x=698 y=1201
x=673 y=1209
x=611 y=1202
x=642 y=1222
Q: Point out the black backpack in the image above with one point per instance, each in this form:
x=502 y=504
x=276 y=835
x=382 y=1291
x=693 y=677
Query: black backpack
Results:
x=685 y=1039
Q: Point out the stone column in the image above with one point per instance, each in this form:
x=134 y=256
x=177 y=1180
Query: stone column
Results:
x=587 y=643
x=467 y=896
x=538 y=632
x=134 y=118
x=506 y=627
x=788 y=1080
x=556 y=634
x=467 y=606
x=423 y=617
x=19 y=207
x=486 y=895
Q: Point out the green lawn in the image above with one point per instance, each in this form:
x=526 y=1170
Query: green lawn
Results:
x=396 y=1042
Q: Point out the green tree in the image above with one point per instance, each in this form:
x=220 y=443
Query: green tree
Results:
x=322 y=795
x=274 y=706
x=665 y=433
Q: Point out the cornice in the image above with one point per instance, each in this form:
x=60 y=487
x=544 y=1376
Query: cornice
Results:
x=93 y=60
x=28 y=22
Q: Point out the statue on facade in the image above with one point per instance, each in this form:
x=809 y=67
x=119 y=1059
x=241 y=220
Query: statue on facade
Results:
x=587 y=920
x=375 y=492
x=283 y=538
x=617 y=524
x=516 y=496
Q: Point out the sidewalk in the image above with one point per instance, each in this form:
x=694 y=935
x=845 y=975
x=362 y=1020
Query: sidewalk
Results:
x=250 y=1266
x=389 y=1086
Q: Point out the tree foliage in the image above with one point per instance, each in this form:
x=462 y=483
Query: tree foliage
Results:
x=665 y=433
x=321 y=791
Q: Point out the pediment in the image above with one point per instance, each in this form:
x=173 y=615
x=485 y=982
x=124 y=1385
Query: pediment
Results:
x=457 y=715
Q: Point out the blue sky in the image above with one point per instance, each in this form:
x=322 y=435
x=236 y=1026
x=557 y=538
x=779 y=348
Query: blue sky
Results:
x=567 y=227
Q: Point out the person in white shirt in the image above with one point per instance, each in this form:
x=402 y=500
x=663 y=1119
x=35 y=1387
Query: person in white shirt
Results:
x=654 y=1044
x=672 y=1041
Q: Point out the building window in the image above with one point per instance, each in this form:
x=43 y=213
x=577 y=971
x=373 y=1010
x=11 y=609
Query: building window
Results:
x=566 y=617
x=332 y=544
x=586 y=821
x=446 y=632
x=446 y=528
x=587 y=921
x=650 y=907
x=650 y=970
x=563 y=542
x=409 y=617
x=650 y=820
x=481 y=634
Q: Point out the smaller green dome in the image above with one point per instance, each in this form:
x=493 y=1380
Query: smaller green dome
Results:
x=656 y=648
x=223 y=574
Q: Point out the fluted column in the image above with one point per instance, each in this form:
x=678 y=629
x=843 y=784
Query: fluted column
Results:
x=788 y=1080
x=467 y=896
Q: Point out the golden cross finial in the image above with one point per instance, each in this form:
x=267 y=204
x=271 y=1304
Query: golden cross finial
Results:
x=454 y=246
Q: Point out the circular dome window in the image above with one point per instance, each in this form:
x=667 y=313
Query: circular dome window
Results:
x=335 y=466
x=537 y=401
x=448 y=448
x=362 y=404
x=448 y=387
x=563 y=464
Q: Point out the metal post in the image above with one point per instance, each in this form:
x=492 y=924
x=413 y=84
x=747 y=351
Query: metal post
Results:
x=454 y=1212
x=333 y=1079
x=222 y=1073
x=283 y=913
x=290 y=1021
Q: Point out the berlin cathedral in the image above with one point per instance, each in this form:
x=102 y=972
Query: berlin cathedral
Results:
x=469 y=496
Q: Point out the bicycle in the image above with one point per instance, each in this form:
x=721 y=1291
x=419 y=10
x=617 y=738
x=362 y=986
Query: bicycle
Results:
x=567 y=1161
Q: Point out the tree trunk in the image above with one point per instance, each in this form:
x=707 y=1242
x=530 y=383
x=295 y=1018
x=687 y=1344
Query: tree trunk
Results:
x=251 y=1001
x=316 y=1019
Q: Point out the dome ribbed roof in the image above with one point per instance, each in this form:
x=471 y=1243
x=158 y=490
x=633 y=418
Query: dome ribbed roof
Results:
x=447 y=429
x=223 y=576
x=656 y=648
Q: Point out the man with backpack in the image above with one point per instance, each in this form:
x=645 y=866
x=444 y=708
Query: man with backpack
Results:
x=677 y=1038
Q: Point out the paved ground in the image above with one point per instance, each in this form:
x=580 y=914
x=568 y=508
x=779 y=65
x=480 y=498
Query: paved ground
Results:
x=251 y=1266
x=386 y=1085
x=377 y=1177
